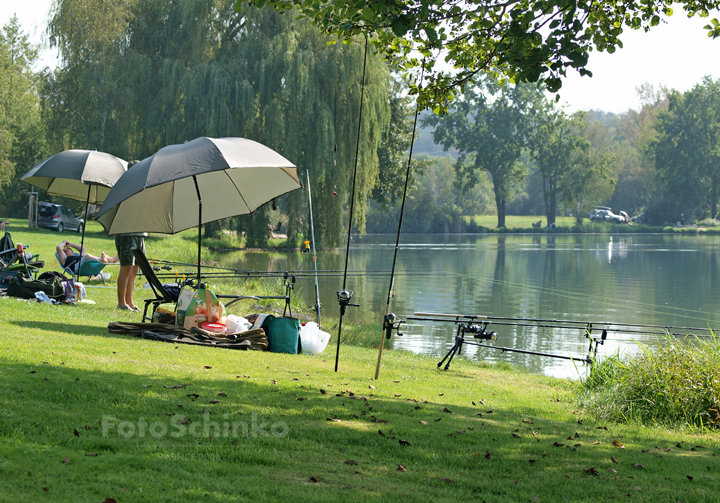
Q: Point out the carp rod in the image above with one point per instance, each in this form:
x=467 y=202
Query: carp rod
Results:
x=587 y=326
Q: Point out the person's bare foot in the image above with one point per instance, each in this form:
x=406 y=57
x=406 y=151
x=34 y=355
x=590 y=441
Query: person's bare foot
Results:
x=104 y=258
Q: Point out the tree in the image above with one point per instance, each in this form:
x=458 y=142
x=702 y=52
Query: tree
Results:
x=586 y=179
x=489 y=127
x=525 y=40
x=554 y=145
x=636 y=184
x=687 y=153
x=21 y=128
x=190 y=68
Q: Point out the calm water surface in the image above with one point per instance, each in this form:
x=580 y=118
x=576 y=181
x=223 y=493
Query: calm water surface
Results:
x=644 y=279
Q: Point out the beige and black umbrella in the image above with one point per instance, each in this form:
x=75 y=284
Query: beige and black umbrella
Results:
x=83 y=175
x=187 y=185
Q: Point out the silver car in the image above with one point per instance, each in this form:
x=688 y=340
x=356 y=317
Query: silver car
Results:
x=56 y=217
x=605 y=214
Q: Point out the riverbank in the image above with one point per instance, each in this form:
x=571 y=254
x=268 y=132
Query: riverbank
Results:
x=568 y=225
x=87 y=415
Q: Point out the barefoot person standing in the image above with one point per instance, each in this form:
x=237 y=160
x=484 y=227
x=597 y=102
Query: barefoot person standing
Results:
x=128 y=268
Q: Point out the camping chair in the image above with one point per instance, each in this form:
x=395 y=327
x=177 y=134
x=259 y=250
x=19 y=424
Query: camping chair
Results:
x=12 y=261
x=87 y=268
x=164 y=294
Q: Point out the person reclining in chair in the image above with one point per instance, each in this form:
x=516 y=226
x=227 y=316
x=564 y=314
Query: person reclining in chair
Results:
x=69 y=260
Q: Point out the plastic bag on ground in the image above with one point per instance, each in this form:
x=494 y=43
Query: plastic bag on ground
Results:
x=314 y=341
x=236 y=324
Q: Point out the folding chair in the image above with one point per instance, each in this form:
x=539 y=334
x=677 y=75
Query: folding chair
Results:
x=87 y=268
x=12 y=261
x=164 y=294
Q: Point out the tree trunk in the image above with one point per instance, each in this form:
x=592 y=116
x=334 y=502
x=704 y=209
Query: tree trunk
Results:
x=500 y=203
x=714 y=197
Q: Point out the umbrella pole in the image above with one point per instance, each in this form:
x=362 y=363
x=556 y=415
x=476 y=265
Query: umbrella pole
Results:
x=87 y=203
x=197 y=189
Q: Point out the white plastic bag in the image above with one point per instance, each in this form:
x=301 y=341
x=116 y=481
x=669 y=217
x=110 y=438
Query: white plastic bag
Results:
x=81 y=293
x=236 y=324
x=313 y=340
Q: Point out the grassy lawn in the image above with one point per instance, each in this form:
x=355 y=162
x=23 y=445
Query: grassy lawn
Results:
x=86 y=415
x=521 y=221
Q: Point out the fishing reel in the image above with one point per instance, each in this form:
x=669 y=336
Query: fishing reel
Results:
x=390 y=323
x=344 y=297
x=594 y=342
x=479 y=331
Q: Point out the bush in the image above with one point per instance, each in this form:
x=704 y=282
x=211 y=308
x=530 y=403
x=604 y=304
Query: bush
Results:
x=709 y=222
x=676 y=383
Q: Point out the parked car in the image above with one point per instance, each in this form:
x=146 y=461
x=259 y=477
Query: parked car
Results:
x=56 y=217
x=605 y=214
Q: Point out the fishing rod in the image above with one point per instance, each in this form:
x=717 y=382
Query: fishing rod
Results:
x=390 y=320
x=312 y=235
x=477 y=326
x=624 y=328
x=344 y=296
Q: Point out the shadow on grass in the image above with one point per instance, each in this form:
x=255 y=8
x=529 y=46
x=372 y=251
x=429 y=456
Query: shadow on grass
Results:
x=66 y=328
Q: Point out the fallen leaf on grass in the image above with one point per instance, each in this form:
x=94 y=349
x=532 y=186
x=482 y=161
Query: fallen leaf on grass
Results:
x=313 y=480
x=350 y=462
x=515 y=435
x=535 y=499
x=612 y=470
x=397 y=396
x=322 y=392
x=592 y=471
x=618 y=444
x=88 y=427
x=184 y=421
x=447 y=480
x=46 y=488
x=371 y=386
x=488 y=455
x=447 y=410
x=401 y=468
x=596 y=443
x=109 y=500
x=76 y=433
x=639 y=466
x=332 y=419
x=222 y=393
x=214 y=401
x=300 y=399
x=438 y=419
x=207 y=367
x=66 y=460
x=91 y=454
x=404 y=442
x=193 y=395
x=531 y=461
x=558 y=444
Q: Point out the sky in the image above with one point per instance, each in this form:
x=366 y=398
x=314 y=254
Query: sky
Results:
x=676 y=54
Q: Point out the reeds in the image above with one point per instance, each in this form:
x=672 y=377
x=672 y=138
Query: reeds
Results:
x=676 y=383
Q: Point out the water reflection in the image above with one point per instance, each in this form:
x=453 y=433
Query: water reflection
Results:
x=645 y=279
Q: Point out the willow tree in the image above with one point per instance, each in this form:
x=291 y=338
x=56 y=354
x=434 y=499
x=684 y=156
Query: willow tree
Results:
x=194 y=68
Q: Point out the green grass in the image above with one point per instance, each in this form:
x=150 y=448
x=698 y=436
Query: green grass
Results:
x=75 y=400
x=673 y=384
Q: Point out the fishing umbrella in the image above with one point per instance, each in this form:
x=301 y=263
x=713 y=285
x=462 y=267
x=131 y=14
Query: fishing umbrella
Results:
x=187 y=185
x=83 y=175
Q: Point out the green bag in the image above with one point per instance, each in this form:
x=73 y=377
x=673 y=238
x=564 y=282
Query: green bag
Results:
x=20 y=286
x=283 y=334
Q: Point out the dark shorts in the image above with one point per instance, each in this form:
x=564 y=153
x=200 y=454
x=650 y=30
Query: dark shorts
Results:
x=124 y=244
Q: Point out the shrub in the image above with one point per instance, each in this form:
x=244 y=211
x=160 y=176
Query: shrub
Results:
x=675 y=383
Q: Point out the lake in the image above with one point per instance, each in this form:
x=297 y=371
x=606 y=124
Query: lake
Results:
x=667 y=280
